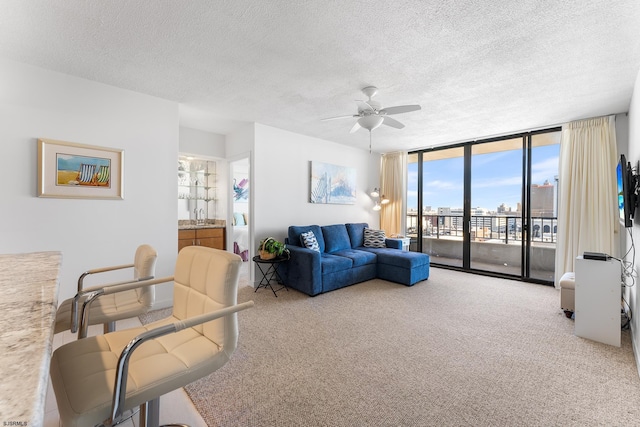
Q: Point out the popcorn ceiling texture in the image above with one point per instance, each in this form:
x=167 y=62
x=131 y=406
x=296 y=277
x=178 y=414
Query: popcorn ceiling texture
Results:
x=477 y=68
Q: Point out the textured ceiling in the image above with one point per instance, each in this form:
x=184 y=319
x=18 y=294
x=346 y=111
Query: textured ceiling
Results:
x=477 y=68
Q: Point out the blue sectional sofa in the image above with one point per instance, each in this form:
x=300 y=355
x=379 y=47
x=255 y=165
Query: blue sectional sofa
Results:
x=343 y=260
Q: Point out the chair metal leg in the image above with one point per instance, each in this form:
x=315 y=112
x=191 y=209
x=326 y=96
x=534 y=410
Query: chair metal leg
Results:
x=109 y=327
x=150 y=413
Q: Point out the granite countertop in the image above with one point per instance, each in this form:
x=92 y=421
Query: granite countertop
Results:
x=194 y=227
x=29 y=288
x=190 y=224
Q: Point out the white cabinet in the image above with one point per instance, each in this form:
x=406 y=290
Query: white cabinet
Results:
x=598 y=296
x=406 y=241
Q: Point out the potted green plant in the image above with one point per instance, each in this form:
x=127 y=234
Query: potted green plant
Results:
x=270 y=248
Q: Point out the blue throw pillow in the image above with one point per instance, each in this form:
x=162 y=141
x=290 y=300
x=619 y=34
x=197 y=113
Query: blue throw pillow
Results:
x=309 y=241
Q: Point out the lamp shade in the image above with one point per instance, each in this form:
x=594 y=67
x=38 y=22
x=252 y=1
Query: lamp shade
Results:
x=370 y=122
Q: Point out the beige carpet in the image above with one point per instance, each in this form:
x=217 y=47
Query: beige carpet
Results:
x=456 y=350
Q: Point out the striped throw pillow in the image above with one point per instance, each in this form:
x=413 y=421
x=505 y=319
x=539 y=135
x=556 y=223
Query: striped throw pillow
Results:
x=309 y=241
x=374 y=238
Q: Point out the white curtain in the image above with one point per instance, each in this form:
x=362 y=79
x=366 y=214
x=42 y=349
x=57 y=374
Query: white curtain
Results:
x=587 y=215
x=393 y=173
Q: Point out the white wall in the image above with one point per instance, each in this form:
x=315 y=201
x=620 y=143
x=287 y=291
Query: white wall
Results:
x=240 y=142
x=281 y=182
x=280 y=174
x=37 y=103
x=201 y=143
x=633 y=156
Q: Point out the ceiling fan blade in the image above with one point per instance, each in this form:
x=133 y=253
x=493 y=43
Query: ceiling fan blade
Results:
x=355 y=127
x=400 y=109
x=364 y=106
x=339 y=117
x=392 y=122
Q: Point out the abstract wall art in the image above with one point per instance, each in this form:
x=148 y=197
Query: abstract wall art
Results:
x=332 y=184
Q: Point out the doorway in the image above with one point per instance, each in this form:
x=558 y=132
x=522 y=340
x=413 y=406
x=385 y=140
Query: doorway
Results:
x=240 y=236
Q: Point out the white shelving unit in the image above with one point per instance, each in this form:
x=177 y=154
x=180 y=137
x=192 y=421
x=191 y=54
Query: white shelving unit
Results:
x=196 y=189
x=598 y=297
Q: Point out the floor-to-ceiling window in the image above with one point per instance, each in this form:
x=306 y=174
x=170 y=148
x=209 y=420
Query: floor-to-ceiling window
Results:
x=496 y=206
x=487 y=206
x=436 y=211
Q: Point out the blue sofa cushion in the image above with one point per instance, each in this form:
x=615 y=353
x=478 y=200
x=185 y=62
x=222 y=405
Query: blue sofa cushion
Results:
x=402 y=259
x=296 y=230
x=356 y=233
x=333 y=263
x=359 y=258
x=336 y=238
x=393 y=243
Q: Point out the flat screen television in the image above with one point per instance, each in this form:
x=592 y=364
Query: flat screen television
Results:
x=626 y=192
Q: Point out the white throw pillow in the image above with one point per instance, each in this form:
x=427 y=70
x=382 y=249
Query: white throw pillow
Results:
x=374 y=238
x=309 y=241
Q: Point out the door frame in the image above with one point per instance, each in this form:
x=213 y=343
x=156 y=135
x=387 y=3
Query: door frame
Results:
x=242 y=156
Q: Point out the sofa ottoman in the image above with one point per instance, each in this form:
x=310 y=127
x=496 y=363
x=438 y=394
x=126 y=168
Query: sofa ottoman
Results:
x=394 y=265
x=407 y=268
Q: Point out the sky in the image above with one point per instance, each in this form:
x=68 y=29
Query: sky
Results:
x=68 y=162
x=496 y=178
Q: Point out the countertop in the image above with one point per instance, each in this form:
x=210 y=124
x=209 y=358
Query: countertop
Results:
x=191 y=224
x=29 y=289
x=197 y=227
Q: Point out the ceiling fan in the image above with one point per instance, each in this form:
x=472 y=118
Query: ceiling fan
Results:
x=371 y=115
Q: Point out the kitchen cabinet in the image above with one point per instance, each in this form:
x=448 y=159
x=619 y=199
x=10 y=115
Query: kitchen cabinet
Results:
x=210 y=237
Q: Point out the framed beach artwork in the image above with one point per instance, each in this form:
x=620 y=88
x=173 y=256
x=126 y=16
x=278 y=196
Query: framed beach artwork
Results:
x=70 y=170
x=332 y=184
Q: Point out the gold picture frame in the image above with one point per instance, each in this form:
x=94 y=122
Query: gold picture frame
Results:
x=78 y=171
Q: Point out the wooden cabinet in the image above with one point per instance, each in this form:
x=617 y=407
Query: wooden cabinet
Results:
x=186 y=238
x=210 y=237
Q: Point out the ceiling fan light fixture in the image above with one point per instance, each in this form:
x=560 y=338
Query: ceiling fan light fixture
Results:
x=370 y=122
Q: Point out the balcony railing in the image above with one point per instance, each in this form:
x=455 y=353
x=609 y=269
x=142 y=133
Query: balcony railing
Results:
x=485 y=227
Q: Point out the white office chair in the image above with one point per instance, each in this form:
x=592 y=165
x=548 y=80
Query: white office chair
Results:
x=98 y=378
x=109 y=302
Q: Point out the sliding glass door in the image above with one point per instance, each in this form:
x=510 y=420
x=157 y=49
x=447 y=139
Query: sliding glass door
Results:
x=496 y=206
x=543 y=205
x=487 y=206
x=442 y=205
